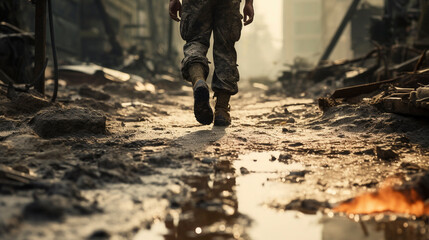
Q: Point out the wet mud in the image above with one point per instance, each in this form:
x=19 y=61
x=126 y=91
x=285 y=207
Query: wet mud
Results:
x=152 y=172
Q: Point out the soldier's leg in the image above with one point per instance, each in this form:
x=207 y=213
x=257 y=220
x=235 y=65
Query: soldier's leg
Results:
x=227 y=31
x=196 y=27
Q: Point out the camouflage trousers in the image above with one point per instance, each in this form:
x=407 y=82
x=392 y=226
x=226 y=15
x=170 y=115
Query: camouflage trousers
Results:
x=199 y=19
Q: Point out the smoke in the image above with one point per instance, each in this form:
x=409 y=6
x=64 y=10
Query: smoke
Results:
x=260 y=47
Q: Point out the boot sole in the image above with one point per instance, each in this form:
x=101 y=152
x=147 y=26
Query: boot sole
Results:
x=202 y=110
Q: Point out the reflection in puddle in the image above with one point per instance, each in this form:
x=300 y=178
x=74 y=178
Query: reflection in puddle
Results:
x=229 y=205
x=252 y=191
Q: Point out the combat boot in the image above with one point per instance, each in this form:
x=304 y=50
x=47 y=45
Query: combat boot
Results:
x=222 y=108
x=202 y=110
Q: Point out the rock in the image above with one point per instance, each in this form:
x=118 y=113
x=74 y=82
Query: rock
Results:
x=57 y=122
x=88 y=92
x=284 y=157
x=99 y=235
x=285 y=130
x=244 y=171
x=386 y=154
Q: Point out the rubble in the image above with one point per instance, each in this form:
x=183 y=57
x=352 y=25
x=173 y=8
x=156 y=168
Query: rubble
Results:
x=386 y=154
x=88 y=92
x=59 y=122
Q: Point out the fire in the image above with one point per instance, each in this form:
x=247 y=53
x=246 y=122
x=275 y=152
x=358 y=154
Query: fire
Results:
x=386 y=199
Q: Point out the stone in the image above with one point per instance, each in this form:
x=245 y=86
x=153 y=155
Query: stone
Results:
x=55 y=122
x=100 y=234
x=386 y=154
x=244 y=171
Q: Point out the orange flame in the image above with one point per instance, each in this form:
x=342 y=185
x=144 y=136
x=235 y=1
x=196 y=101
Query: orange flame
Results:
x=386 y=199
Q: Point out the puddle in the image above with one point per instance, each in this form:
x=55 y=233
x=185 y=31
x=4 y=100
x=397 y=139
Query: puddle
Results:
x=253 y=190
x=231 y=205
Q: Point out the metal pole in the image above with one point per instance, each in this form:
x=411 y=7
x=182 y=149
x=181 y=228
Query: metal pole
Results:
x=40 y=45
x=340 y=30
x=170 y=39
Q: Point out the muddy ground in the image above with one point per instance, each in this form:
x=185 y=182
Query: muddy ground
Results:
x=152 y=172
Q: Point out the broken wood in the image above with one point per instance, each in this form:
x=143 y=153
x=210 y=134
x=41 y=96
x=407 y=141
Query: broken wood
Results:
x=11 y=177
x=398 y=105
x=354 y=91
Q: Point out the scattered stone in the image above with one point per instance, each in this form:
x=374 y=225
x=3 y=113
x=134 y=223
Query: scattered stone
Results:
x=58 y=122
x=386 y=154
x=322 y=182
x=88 y=92
x=244 y=171
x=284 y=158
x=99 y=235
x=285 y=130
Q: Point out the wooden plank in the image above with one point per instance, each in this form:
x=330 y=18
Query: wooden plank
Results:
x=357 y=90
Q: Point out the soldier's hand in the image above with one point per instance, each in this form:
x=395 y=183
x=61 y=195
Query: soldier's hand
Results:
x=249 y=13
x=175 y=6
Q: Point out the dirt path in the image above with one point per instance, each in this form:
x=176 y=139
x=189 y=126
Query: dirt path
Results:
x=157 y=174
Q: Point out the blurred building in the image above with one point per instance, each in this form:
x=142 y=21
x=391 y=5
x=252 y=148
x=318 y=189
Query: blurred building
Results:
x=309 y=26
x=84 y=33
